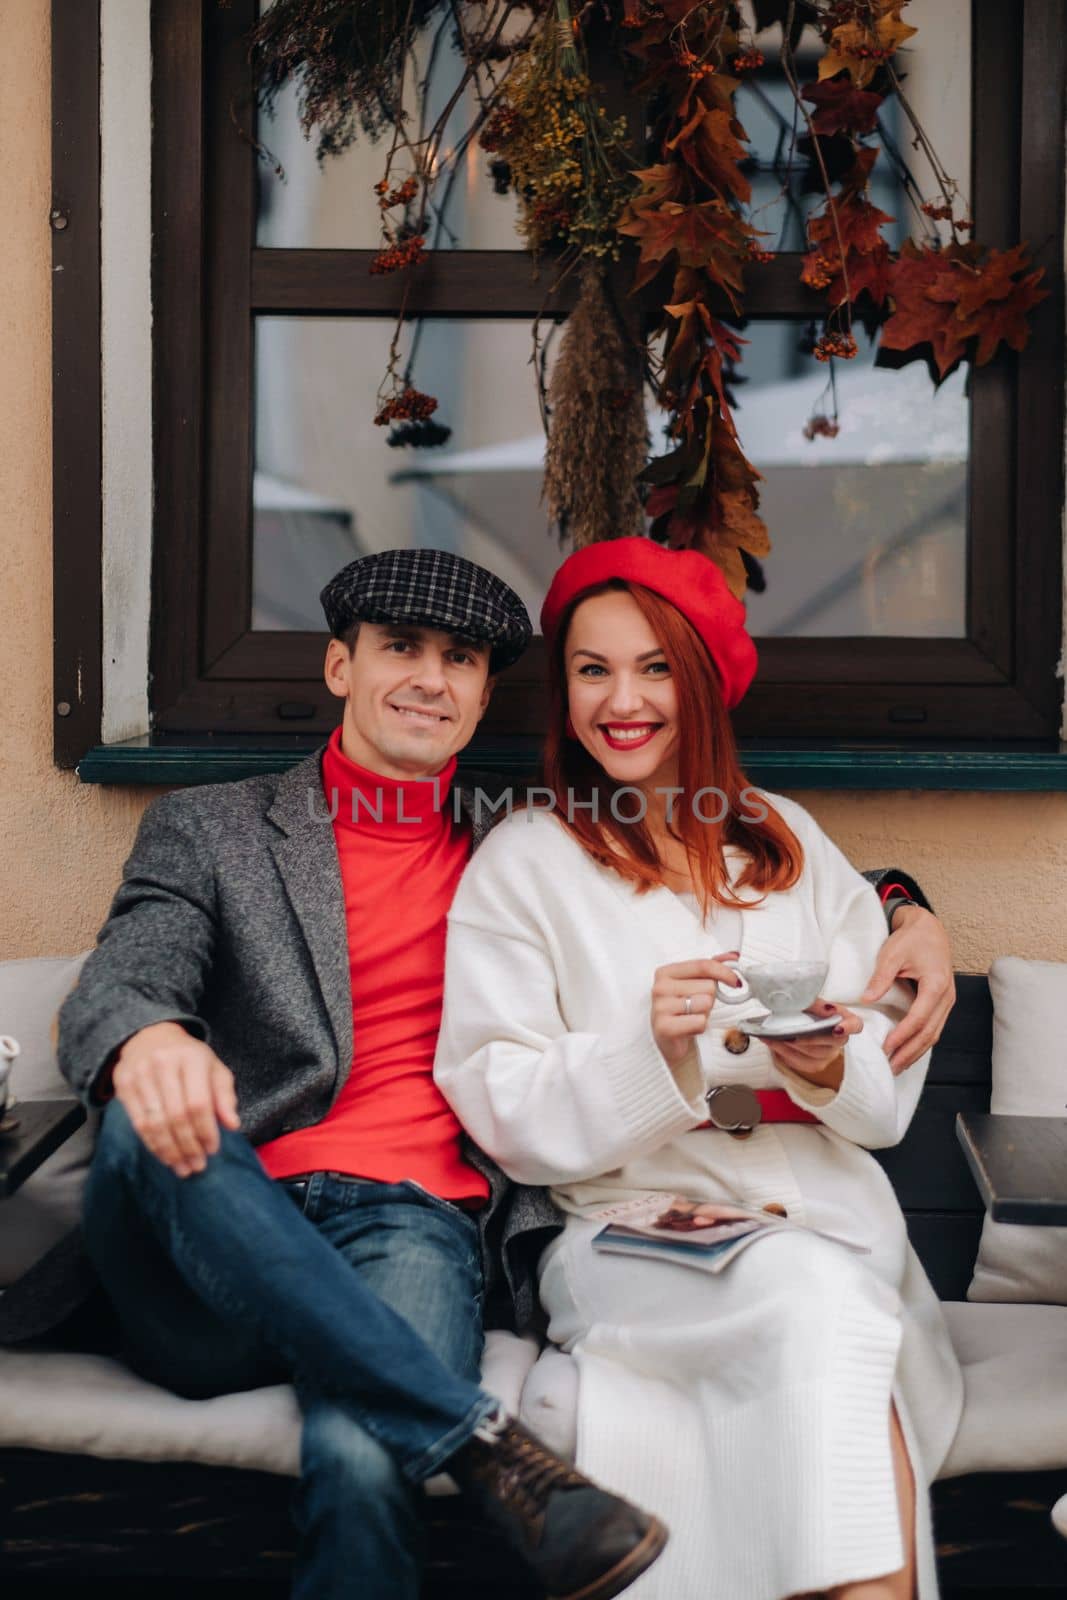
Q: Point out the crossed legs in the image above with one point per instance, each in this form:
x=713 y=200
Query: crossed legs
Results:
x=221 y=1284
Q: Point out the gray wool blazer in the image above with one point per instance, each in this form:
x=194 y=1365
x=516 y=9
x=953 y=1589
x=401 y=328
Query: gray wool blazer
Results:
x=230 y=919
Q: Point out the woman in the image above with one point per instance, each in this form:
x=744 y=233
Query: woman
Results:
x=786 y=1416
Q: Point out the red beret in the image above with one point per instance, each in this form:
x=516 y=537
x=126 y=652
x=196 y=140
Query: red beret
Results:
x=691 y=582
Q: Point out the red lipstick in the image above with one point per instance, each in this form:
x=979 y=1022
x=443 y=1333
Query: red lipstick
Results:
x=652 y=728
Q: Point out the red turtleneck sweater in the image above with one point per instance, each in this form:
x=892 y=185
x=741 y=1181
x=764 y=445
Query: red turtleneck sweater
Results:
x=399 y=875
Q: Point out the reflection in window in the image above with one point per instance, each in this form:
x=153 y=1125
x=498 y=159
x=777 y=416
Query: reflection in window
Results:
x=786 y=184
x=328 y=487
x=869 y=527
x=333 y=206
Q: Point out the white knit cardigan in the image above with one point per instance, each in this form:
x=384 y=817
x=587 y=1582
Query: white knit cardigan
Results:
x=547 y=1055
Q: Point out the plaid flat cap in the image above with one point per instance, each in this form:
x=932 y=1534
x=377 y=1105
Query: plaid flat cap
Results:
x=430 y=589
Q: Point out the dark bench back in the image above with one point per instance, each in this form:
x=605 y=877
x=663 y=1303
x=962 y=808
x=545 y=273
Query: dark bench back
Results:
x=928 y=1171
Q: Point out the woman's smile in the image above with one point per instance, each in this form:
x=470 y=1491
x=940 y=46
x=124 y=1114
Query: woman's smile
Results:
x=628 y=735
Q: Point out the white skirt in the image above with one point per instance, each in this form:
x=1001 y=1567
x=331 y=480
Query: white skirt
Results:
x=750 y=1410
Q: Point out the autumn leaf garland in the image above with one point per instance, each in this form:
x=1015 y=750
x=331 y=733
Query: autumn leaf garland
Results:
x=687 y=222
x=945 y=302
x=583 y=195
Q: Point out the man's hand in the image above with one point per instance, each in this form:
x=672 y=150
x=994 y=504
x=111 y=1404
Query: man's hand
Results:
x=176 y=1091
x=918 y=949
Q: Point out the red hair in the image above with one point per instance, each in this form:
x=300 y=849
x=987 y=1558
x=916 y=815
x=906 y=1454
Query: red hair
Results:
x=707 y=759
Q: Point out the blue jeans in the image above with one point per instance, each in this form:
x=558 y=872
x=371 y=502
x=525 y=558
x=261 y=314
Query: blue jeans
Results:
x=221 y=1283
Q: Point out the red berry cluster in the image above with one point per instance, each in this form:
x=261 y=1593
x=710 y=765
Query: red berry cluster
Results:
x=703 y=69
x=502 y=125
x=868 y=52
x=842 y=345
x=407 y=253
x=749 y=61
x=820 y=426
x=818 y=273
x=410 y=405
x=396 y=197
x=943 y=213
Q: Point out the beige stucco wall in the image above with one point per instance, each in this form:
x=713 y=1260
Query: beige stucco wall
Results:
x=996 y=865
x=63 y=843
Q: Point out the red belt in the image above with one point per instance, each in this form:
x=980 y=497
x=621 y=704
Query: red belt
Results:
x=775 y=1106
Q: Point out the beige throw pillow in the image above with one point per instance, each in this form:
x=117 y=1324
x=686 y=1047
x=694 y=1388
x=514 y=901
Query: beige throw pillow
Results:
x=1029 y=1080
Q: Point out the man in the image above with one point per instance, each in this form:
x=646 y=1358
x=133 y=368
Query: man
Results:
x=255 y=1210
x=278 y=1188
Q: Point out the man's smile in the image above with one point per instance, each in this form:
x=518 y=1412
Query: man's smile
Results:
x=420 y=714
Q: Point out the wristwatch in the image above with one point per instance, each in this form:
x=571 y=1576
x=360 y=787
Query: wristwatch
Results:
x=892 y=904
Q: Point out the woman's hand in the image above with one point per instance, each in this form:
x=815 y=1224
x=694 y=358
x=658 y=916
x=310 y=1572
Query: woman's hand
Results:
x=674 y=1023
x=821 y=1058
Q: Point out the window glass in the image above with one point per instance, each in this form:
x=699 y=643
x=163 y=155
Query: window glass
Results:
x=869 y=527
x=328 y=487
x=935 y=72
x=333 y=205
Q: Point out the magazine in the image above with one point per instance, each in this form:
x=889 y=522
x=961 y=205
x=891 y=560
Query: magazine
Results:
x=706 y=1234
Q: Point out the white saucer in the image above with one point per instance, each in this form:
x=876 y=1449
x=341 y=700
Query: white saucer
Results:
x=769 y=1027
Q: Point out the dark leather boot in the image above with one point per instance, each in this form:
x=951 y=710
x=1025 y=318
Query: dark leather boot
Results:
x=580 y=1542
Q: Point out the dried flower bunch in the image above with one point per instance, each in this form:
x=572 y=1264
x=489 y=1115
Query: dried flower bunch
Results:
x=670 y=222
x=348 y=57
x=354 y=66
x=598 y=437
x=567 y=160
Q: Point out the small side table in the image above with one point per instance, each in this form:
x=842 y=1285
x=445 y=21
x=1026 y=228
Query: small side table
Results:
x=39 y=1127
x=1019 y=1165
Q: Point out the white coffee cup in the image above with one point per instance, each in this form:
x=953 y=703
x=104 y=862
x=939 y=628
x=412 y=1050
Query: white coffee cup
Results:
x=786 y=988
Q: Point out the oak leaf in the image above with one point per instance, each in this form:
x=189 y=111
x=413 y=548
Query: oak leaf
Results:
x=658 y=183
x=973 y=285
x=946 y=298
x=706 y=236
x=918 y=319
x=1007 y=321
x=709 y=146
x=842 y=53
x=859 y=223
x=842 y=108
x=866 y=252
x=743 y=521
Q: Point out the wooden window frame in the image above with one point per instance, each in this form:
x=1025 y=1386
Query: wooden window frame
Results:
x=212 y=674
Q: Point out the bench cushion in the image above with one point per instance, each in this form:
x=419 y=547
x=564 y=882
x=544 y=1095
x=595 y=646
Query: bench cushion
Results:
x=1014 y=1361
x=1018 y=1263
x=92 y=1405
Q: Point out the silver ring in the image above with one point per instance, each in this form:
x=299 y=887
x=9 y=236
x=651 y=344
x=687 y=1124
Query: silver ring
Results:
x=688 y=1005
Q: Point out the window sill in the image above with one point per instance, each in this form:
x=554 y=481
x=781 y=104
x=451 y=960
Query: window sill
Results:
x=774 y=765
